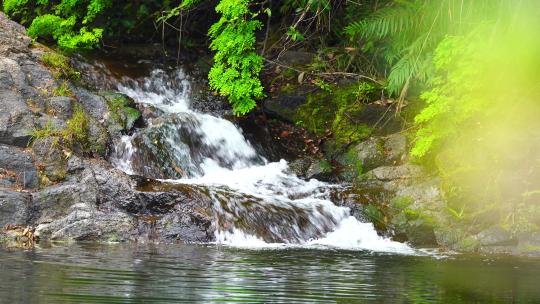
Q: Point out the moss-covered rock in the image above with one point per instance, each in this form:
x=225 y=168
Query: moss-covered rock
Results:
x=122 y=109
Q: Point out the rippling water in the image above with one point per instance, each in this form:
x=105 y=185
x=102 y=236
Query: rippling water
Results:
x=121 y=273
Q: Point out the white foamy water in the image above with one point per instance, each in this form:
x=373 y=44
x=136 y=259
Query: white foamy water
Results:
x=243 y=184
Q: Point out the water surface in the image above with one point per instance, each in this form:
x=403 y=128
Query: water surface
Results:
x=122 y=273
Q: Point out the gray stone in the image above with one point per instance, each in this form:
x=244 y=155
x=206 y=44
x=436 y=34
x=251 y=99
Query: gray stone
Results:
x=16 y=208
x=496 y=236
x=20 y=163
x=320 y=170
x=93 y=104
x=16 y=119
x=395 y=148
x=370 y=153
x=60 y=106
x=50 y=158
x=388 y=173
x=300 y=166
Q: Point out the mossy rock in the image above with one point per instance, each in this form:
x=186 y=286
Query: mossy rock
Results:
x=122 y=109
x=336 y=111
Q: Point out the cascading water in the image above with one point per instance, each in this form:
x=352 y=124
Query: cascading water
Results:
x=256 y=203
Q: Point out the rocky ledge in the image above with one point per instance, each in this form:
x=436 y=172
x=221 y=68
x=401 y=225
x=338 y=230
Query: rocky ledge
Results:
x=54 y=135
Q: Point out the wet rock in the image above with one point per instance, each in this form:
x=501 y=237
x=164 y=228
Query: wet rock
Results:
x=16 y=208
x=284 y=106
x=93 y=104
x=310 y=167
x=320 y=170
x=21 y=166
x=122 y=111
x=81 y=225
x=381 y=151
x=300 y=166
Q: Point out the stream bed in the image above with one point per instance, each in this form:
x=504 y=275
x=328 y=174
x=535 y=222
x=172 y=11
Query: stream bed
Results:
x=153 y=273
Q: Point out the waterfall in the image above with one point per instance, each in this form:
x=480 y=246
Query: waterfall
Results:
x=256 y=203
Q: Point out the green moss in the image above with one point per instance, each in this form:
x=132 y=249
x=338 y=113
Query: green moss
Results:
x=121 y=111
x=74 y=135
x=335 y=110
x=60 y=66
x=45 y=132
x=63 y=90
x=76 y=131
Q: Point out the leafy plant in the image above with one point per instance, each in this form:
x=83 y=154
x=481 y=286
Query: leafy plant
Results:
x=406 y=33
x=236 y=68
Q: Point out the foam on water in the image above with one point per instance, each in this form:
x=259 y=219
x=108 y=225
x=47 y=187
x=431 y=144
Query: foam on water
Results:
x=246 y=176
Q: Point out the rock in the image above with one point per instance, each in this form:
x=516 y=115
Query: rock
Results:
x=60 y=106
x=300 y=166
x=16 y=119
x=13 y=37
x=310 y=167
x=296 y=58
x=388 y=173
x=122 y=110
x=46 y=121
x=16 y=208
x=284 y=106
x=320 y=170
x=395 y=148
x=50 y=158
x=93 y=104
x=81 y=225
x=380 y=151
x=495 y=236
x=21 y=166
x=370 y=153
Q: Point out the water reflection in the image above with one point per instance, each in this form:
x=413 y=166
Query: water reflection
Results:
x=186 y=273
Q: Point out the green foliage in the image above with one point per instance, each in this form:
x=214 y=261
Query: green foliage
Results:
x=76 y=131
x=60 y=66
x=405 y=34
x=236 y=68
x=64 y=21
x=451 y=101
x=62 y=90
x=75 y=136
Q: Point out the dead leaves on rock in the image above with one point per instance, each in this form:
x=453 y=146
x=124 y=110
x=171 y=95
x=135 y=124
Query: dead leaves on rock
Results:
x=23 y=236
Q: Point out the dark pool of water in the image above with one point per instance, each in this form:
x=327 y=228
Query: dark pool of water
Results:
x=187 y=273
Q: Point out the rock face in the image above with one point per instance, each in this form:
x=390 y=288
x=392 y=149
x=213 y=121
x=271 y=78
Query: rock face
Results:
x=65 y=191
